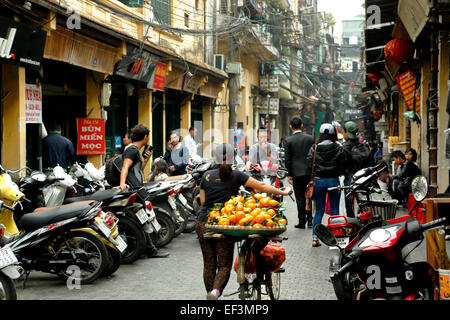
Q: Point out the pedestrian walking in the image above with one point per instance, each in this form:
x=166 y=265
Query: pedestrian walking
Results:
x=328 y=160
x=296 y=150
x=132 y=174
x=176 y=156
x=217 y=186
x=56 y=149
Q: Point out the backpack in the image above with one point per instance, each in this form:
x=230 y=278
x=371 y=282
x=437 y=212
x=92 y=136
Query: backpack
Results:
x=361 y=156
x=112 y=170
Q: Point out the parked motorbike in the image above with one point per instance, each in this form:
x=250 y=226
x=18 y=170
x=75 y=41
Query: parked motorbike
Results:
x=372 y=266
x=136 y=217
x=32 y=186
x=9 y=270
x=56 y=239
x=346 y=228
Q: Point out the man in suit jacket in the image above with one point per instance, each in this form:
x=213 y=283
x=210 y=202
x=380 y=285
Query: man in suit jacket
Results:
x=296 y=150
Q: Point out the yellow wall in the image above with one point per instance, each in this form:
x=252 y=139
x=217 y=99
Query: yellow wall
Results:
x=145 y=118
x=443 y=163
x=14 y=126
x=93 y=108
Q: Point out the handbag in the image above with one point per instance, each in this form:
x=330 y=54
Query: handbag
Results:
x=309 y=192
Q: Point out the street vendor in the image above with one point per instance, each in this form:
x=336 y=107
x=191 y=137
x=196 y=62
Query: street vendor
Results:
x=217 y=186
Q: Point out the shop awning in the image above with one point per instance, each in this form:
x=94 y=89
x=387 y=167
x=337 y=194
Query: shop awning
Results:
x=414 y=15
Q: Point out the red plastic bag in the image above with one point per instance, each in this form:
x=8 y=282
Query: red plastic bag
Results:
x=250 y=265
x=274 y=255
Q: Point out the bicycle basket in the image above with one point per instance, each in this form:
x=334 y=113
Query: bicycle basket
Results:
x=244 y=231
x=386 y=209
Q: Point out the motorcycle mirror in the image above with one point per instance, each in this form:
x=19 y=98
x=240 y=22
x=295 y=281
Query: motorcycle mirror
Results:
x=419 y=187
x=325 y=235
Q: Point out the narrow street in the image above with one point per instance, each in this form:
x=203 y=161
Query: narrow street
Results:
x=179 y=277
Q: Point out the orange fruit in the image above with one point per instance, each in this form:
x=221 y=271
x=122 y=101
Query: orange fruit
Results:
x=223 y=221
x=239 y=216
x=222 y=211
x=269 y=223
x=274 y=203
x=252 y=205
x=232 y=218
x=252 y=200
x=239 y=206
x=271 y=212
x=247 y=210
x=264 y=202
x=246 y=221
x=282 y=221
x=260 y=218
x=239 y=199
x=257 y=225
x=258 y=196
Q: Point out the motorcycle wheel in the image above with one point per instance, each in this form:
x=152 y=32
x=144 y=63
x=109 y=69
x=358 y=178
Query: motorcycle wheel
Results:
x=167 y=232
x=91 y=255
x=341 y=286
x=113 y=262
x=7 y=288
x=191 y=224
x=134 y=236
x=180 y=226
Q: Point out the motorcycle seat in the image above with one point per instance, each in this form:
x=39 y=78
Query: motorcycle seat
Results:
x=100 y=195
x=35 y=220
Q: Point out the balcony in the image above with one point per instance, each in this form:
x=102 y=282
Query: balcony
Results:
x=260 y=44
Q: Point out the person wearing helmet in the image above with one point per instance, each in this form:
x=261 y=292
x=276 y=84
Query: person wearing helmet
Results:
x=217 y=186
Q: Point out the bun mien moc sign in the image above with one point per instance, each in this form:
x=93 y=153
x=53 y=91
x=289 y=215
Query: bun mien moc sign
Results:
x=91 y=136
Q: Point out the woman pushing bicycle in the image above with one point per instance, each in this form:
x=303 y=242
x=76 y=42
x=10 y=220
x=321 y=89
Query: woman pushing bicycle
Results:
x=217 y=186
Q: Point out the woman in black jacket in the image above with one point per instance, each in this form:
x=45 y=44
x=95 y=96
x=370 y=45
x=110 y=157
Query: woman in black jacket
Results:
x=329 y=164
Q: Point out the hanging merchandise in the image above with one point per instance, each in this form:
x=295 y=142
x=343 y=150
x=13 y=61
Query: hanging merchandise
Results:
x=377 y=114
x=407 y=85
x=398 y=50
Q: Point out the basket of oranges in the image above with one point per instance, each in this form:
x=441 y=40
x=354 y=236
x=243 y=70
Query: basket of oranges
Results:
x=240 y=217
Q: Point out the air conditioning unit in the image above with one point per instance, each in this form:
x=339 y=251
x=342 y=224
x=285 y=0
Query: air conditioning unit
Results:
x=220 y=61
x=233 y=67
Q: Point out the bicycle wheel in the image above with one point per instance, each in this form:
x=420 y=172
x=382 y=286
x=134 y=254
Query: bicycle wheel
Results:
x=249 y=284
x=273 y=285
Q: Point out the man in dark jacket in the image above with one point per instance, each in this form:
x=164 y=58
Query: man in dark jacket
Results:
x=56 y=149
x=358 y=155
x=296 y=151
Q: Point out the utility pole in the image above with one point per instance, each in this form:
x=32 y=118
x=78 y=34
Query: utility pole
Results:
x=233 y=82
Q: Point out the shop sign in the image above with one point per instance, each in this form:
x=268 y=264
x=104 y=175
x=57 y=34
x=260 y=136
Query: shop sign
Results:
x=137 y=64
x=91 y=136
x=407 y=83
x=158 y=79
x=21 y=44
x=33 y=103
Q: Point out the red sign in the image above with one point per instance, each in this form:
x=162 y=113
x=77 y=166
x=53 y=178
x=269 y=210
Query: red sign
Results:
x=137 y=66
x=91 y=136
x=406 y=83
x=158 y=80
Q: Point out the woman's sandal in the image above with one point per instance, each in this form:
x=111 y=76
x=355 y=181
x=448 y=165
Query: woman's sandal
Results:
x=316 y=243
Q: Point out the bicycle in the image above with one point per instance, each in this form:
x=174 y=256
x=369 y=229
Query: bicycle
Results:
x=251 y=284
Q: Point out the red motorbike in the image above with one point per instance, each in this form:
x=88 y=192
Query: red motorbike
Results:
x=372 y=266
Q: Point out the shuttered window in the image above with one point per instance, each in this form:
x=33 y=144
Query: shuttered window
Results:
x=133 y=3
x=162 y=11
